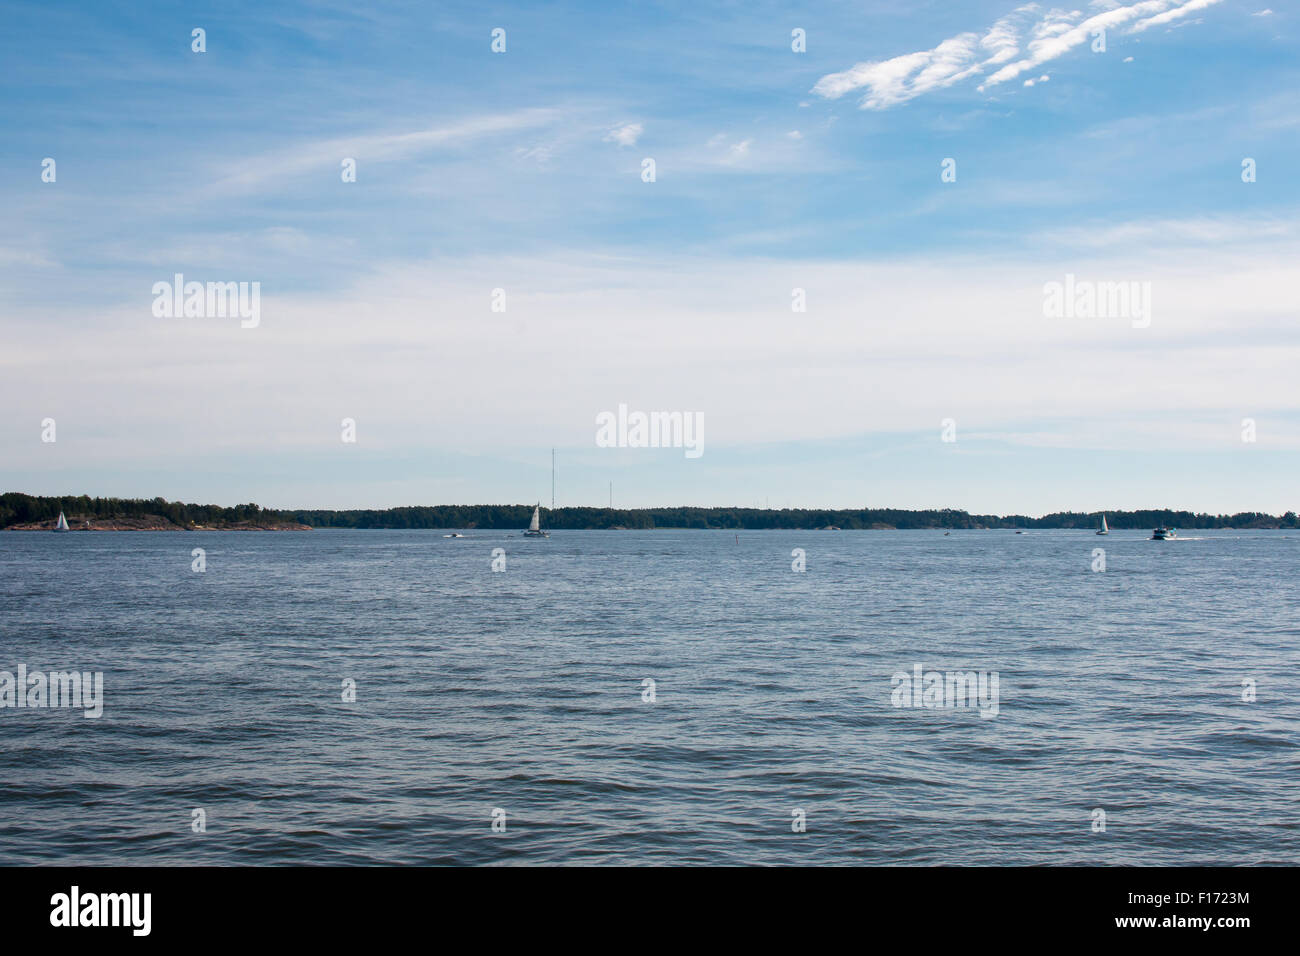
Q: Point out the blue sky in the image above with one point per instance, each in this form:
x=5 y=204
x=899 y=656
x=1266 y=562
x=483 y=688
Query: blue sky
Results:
x=775 y=170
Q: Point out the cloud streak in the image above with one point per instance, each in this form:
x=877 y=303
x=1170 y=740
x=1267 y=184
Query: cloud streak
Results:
x=375 y=147
x=1045 y=37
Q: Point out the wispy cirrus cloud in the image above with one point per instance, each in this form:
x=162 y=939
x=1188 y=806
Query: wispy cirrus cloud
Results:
x=1160 y=19
x=1045 y=36
x=256 y=172
x=1204 y=231
x=901 y=78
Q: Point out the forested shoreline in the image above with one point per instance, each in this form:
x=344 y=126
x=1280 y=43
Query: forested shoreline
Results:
x=22 y=509
x=152 y=514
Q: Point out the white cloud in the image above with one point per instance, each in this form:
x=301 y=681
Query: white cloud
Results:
x=724 y=152
x=1192 y=6
x=539 y=154
x=887 y=81
x=894 y=81
x=1205 y=231
x=1002 y=41
x=284 y=164
x=900 y=79
x=972 y=330
x=1058 y=33
x=21 y=255
x=625 y=135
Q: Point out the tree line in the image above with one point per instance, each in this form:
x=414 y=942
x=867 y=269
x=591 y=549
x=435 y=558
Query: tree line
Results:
x=16 y=508
x=514 y=517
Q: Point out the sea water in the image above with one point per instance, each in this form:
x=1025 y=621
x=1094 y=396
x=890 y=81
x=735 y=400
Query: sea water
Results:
x=652 y=697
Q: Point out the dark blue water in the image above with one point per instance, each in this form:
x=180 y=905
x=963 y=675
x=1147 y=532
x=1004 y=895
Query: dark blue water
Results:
x=522 y=690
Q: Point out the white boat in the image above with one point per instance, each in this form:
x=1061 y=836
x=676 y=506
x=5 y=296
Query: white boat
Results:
x=1164 y=534
x=454 y=534
x=63 y=523
x=535 y=526
x=1104 y=529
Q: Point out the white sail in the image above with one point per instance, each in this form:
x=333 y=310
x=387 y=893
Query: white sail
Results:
x=536 y=523
x=63 y=523
x=1103 y=523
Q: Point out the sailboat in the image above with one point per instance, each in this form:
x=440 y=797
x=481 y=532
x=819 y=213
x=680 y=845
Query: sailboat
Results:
x=63 y=523
x=1104 y=529
x=535 y=526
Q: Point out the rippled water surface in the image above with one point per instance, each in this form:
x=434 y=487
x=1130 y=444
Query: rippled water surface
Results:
x=522 y=691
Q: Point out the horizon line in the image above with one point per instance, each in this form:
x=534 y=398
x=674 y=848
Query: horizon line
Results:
x=732 y=507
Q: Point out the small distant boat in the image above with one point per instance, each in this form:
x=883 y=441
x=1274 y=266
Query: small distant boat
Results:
x=454 y=534
x=1104 y=529
x=63 y=523
x=535 y=526
x=1019 y=532
x=1164 y=534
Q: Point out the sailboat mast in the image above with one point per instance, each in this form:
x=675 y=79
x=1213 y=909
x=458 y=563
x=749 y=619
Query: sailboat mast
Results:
x=552 y=479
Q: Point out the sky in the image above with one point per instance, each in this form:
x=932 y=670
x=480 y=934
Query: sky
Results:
x=922 y=172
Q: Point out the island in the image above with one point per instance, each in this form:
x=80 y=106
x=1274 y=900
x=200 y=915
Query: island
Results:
x=20 y=512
